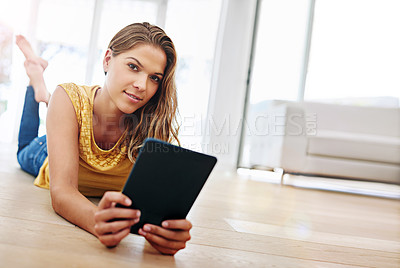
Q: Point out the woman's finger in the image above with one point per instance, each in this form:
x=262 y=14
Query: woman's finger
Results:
x=110 y=197
x=163 y=250
x=184 y=224
x=102 y=228
x=162 y=242
x=116 y=213
x=169 y=234
x=111 y=240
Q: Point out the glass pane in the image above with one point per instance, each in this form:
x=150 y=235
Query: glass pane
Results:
x=117 y=14
x=279 y=50
x=63 y=33
x=193 y=27
x=64 y=45
x=355 y=52
x=13 y=20
x=276 y=71
x=6 y=38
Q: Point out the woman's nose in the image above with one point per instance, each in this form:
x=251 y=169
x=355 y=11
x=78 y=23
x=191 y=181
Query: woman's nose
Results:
x=140 y=82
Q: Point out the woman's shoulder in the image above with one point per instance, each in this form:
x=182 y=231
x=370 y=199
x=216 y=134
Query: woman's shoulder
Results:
x=79 y=89
x=81 y=93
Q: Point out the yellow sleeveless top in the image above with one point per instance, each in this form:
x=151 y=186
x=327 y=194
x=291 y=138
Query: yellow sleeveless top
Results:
x=99 y=170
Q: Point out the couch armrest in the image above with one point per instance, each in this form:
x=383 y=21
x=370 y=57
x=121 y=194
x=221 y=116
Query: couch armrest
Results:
x=298 y=125
x=280 y=139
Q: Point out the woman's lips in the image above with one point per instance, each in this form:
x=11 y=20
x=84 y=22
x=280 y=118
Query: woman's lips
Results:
x=133 y=97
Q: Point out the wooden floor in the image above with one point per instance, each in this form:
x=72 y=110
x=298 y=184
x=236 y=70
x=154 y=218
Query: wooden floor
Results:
x=237 y=223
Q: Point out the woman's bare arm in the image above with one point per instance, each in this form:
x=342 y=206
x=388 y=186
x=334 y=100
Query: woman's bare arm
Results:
x=67 y=201
x=62 y=140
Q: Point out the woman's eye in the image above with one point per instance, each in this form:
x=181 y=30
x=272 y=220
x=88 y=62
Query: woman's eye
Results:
x=133 y=66
x=155 y=78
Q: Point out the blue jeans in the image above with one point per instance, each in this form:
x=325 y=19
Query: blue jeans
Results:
x=32 y=150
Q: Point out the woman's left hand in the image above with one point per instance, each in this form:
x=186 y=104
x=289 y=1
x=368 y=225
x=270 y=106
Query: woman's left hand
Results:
x=170 y=238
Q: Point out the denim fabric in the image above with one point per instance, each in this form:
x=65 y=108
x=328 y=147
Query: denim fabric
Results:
x=32 y=156
x=32 y=150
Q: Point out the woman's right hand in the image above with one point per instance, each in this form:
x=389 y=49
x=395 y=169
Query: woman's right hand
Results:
x=109 y=230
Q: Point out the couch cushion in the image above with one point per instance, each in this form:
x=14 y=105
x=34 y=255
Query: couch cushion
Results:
x=358 y=119
x=355 y=146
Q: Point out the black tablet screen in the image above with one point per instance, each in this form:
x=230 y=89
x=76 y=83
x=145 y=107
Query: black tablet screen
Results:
x=165 y=181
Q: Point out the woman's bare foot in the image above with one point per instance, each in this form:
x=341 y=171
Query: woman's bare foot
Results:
x=28 y=52
x=34 y=70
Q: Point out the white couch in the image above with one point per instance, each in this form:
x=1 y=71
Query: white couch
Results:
x=326 y=139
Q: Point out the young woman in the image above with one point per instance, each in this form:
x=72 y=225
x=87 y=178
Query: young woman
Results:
x=94 y=133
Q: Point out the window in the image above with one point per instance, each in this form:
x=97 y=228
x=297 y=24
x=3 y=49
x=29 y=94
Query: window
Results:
x=278 y=60
x=73 y=36
x=279 y=50
x=195 y=39
x=6 y=38
x=115 y=15
x=13 y=19
x=63 y=34
x=355 y=52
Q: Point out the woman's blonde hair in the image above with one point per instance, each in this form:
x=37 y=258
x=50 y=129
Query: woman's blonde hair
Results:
x=157 y=118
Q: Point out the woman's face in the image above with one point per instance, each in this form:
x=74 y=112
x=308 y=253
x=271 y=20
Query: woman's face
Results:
x=134 y=76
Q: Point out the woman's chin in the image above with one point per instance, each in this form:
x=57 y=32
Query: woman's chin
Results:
x=128 y=110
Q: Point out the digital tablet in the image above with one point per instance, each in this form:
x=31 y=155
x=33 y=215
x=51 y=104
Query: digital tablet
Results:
x=165 y=181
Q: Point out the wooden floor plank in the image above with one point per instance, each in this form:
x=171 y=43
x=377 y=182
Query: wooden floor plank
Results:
x=294 y=248
x=48 y=250
x=305 y=233
x=238 y=222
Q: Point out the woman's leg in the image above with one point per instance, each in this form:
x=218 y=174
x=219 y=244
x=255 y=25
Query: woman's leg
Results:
x=32 y=150
x=35 y=93
x=32 y=156
x=28 y=52
x=34 y=67
x=29 y=126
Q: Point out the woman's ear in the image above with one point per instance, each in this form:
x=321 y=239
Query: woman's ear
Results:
x=106 y=60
